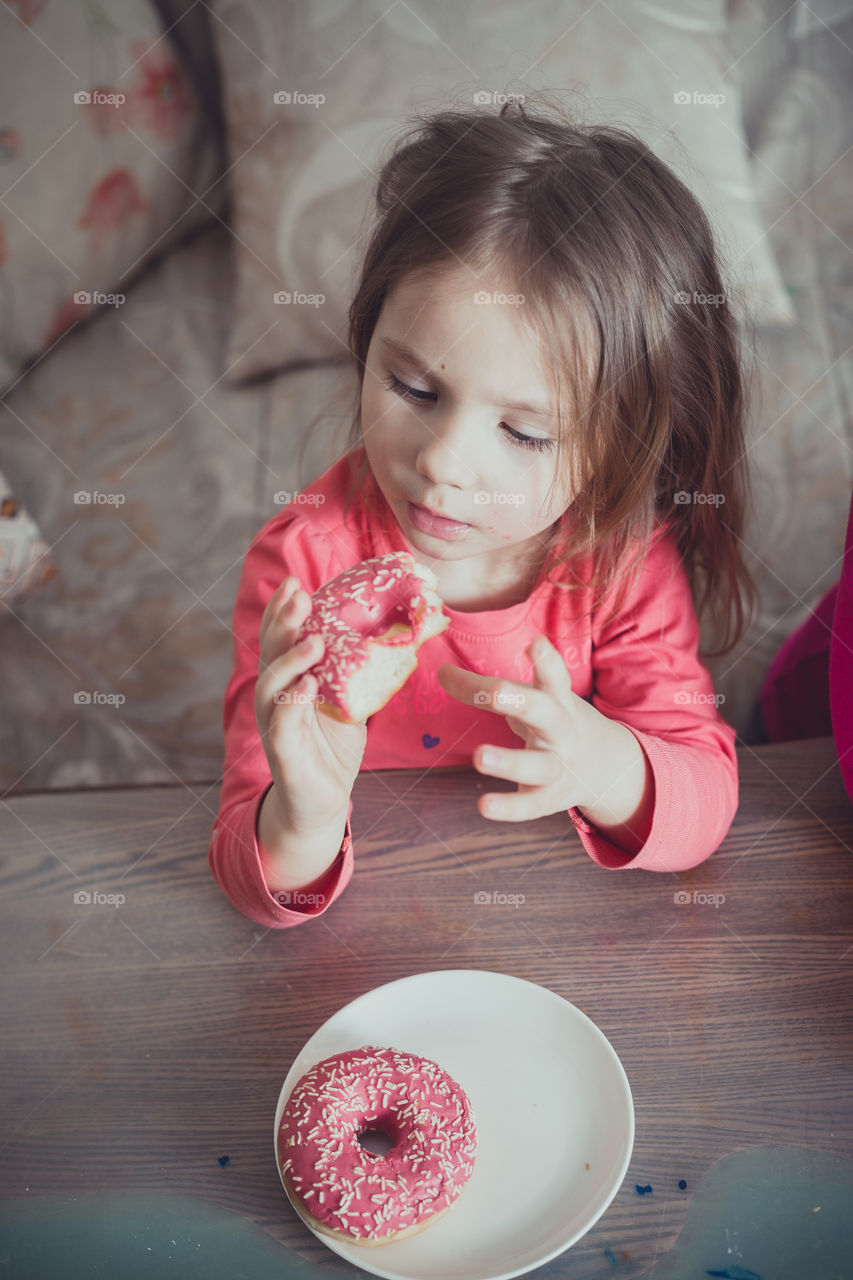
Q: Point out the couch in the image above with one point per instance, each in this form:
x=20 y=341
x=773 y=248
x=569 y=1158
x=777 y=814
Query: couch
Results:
x=168 y=169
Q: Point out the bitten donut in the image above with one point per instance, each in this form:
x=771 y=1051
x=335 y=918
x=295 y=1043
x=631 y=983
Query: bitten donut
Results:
x=343 y=1189
x=373 y=619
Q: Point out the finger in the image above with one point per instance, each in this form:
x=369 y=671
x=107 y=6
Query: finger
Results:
x=550 y=672
x=510 y=806
x=298 y=693
x=467 y=686
x=284 y=625
x=528 y=768
x=279 y=599
x=281 y=673
x=538 y=711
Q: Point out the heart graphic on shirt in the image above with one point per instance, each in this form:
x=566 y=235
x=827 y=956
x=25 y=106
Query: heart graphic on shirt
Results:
x=429 y=741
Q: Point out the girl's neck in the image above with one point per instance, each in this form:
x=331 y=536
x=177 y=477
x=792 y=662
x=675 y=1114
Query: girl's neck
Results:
x=460 y=593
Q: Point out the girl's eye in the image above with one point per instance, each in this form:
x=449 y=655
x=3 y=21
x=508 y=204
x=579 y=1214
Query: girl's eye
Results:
x=422 y=397
x=408 y=393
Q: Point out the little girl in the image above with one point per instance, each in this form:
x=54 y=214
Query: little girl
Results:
x=551 y=419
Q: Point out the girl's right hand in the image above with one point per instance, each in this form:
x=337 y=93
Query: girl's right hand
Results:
x=313 y=758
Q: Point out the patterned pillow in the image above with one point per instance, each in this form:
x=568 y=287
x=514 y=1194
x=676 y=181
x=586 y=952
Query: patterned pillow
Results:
x=346 y=73
x=102 y=149
x=25 y=559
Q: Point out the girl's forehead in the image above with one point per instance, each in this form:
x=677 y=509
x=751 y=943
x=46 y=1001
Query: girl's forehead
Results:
x=450 y=282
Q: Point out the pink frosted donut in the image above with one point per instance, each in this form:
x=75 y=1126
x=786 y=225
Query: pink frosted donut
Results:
x=343 y=1189
x=373 y=619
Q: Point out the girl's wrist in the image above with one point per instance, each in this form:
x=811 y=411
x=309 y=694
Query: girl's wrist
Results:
x=621 y=805
x=292 y=860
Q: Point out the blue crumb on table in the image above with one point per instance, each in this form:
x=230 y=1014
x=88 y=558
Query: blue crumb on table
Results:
x=642 y=1191
x=735 y=1273
x=608 y=1253
x=224 y=1160
x=682 y=1185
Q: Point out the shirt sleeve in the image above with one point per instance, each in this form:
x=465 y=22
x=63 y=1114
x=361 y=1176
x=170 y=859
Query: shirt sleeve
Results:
x=647 y=676
x=234 y=856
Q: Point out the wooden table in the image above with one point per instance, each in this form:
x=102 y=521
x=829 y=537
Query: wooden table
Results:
x=145 y=1040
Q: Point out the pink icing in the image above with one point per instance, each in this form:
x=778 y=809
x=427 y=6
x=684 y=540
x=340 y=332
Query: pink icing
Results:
x=355 y=608
x=421 y=1108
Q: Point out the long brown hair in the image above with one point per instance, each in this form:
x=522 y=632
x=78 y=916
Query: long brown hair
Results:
x=617 y=264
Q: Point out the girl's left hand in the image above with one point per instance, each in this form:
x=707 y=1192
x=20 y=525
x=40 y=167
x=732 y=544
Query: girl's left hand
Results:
x=565 y=758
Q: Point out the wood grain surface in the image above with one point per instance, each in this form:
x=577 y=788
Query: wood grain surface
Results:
x=144 y=1040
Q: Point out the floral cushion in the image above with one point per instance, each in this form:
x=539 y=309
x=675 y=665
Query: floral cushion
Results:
x=315 y=92
x=102 y=151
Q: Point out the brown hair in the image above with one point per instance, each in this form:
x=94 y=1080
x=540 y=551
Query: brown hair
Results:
x=617 y=264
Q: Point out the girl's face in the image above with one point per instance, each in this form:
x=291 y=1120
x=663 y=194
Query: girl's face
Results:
x=442 y=431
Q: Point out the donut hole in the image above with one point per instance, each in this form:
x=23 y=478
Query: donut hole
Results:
x=376 y=1142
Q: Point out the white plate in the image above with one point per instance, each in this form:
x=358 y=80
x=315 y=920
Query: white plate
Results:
x=549 y=1096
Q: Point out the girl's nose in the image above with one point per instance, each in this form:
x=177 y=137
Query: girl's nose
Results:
x=445 y=453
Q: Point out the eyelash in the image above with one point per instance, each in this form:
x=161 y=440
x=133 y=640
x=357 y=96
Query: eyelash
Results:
x=406 y=392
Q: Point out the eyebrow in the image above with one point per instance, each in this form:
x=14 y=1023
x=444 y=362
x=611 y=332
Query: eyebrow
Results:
x=406 y=353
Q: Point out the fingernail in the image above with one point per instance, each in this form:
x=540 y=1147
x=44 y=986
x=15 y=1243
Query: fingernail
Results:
x=489 y=759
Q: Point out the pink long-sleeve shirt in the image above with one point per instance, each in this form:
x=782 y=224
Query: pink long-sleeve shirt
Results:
x=639 y=667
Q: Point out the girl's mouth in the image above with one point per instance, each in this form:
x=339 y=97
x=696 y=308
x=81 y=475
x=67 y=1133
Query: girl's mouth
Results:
x=436 y=526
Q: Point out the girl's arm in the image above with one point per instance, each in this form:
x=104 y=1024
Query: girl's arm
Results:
x=646 y=769
x=235 y=855
x=649 y=682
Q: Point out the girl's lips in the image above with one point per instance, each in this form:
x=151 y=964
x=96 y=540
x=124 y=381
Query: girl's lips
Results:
x=436 y=526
